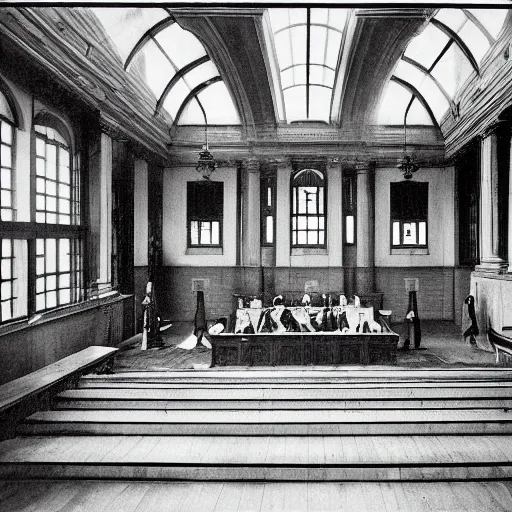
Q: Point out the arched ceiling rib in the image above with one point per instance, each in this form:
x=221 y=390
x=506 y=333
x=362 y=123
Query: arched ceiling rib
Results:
x=439 y=60
x=171 y=60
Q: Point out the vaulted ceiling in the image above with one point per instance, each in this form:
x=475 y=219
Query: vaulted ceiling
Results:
x=345 y=74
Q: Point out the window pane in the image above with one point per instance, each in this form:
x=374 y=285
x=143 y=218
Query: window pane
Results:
x=51 y=161
x=319 y=103
x=410 y=233
x=40 y=265
x=40 y=302
x=51 y=255
x=40 y=147
x=64 y=256
x=452 y=70
x=51 y=282
x=396 y=233
x=51 y=188
x=302 y=222
x=425 y=47
x=6 y=268
x=51 y=299
x=312 y=237
x=5 y=156
x=475 y=40
x=418 y=114
x=349 y=229
x=422 y=235
x=5 y=128
x=492 y=19
x=5 y=178
x=302 y=239
x=40 y=284
x=205 y=233
x=64 y=281
x=194 y=232
x=393 y=104
x=321 y=237
x=269 y=235
x=313 y=223
x=321 y=200
x=64 y=297
x=51 y=204
x=295 y=103
x=215 y=233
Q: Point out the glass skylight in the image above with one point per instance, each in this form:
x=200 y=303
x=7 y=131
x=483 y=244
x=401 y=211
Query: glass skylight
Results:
x=126 y=25
x=307 y=43
x=171 y=60
x=437 y=62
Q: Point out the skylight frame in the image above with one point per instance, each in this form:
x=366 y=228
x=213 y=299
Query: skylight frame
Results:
x=323 y=59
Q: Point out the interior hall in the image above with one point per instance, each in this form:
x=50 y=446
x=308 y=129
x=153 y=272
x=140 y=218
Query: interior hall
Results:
x=255 y=256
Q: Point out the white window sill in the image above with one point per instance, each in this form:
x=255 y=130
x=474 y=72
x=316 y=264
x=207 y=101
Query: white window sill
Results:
x=308 y=251
x=204 y=251
x=410 y=251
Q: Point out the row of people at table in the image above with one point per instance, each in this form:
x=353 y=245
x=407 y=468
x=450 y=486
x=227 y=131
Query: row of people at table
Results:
x=344 y=318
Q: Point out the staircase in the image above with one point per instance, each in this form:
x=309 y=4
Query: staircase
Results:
x=272 y=426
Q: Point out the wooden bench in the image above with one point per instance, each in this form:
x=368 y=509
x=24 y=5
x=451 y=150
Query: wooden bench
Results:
x=303 y=349
x=502 y=346
x=22 y=397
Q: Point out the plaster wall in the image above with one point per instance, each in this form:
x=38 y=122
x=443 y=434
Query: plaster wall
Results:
x=332 y=255
x=174 y=235
x=441 y=220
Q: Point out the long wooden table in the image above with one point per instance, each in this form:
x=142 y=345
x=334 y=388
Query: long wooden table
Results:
x=302 y=349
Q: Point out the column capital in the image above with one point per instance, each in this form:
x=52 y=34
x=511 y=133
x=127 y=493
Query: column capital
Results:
x=493 y=128
x=251 y=165
x=334 y=163
x=111 y=128
x=277 y=162
x=364 y=167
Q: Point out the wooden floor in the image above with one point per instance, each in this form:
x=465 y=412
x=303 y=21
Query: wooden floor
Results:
x=94 y=496
x=442 y=347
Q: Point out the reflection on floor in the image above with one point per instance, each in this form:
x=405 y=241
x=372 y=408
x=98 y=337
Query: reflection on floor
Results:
x=442 y=346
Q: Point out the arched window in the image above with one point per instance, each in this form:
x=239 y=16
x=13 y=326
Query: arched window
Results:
x=57 y=200
x=12 y=251
x=308 y=208
x=7 y=146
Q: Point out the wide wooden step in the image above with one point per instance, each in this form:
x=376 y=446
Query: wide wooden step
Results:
x=304 y=376
x=135 y=496
x=265 y=458
x=335 y=398
x=270 y=422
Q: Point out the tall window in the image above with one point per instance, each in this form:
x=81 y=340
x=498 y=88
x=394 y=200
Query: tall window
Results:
x=308 y=208
x=40 y=259
x=205 y=210
x=349 y=208
x=409 y=214
x=268 y=208
x=55 y=188
x=6 y=161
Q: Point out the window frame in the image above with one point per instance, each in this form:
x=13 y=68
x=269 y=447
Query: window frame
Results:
x=412 y=220
x=30 y=231
x=13 y=147
x=293 y=187
x=268 y=180
x=197 y=218
x=349 y=206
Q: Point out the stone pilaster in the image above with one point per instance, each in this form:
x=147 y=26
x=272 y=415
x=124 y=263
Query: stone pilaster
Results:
x=510 y=207
x=251 y=213
x=365 y=228
x=490 y=260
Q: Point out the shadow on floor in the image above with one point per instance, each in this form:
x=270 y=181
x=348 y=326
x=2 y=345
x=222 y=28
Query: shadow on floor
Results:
x=442 y=346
